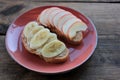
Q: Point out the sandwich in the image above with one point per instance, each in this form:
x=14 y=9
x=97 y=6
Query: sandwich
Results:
x=63 y=23
x=40 y=41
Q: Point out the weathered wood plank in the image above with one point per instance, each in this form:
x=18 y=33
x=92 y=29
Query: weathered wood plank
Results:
x=11 y=10
x=94 y=1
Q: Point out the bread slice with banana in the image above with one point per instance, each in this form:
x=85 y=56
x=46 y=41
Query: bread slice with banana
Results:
x=64 y=23
x=40 y=41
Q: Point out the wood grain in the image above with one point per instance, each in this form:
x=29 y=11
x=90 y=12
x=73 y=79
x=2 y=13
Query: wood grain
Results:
x=86 y=1
x=104 y=63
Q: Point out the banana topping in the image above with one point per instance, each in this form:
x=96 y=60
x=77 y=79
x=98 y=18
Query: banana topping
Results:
x=53 y=48
x=33 y=32
x=42 y=40
x=52 y=37
x=39 y=38
x=29 y=27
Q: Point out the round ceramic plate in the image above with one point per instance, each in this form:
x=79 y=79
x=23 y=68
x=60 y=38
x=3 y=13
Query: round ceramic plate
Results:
x=77 y=56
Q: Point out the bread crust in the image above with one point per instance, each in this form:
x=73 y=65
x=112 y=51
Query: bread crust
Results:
x=57 y=59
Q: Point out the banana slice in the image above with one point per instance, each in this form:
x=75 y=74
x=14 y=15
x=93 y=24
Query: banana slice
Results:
x=53 y=48
x=52 y=37
x=29 y=27
x=33 y=32
x=39 y=38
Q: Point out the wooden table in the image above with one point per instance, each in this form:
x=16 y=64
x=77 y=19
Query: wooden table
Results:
x=104 y=63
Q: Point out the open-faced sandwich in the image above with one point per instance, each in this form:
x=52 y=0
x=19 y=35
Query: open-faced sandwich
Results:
x=63 y=23
x=37 y=37
x=40 y=41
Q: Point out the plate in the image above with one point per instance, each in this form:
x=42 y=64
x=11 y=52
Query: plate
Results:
x=77 y=56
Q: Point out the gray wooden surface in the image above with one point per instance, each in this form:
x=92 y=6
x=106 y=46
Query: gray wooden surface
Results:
x=96 y=1
x=104 y=63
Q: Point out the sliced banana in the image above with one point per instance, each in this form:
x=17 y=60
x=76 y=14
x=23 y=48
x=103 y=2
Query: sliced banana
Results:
x=29 y=27
x=33 y=32
x=53 y=48
x=39 y=38
x=52 y=37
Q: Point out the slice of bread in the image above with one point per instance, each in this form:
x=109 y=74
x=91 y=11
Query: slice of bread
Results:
x=62 y=57
x=69 y=28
